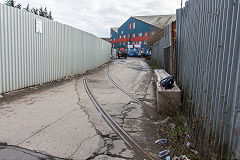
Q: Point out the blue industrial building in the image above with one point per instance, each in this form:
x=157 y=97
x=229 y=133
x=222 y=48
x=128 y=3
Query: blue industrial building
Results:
x=134 y=33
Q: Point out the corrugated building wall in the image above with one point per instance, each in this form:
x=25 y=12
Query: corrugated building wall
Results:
x=29 y=58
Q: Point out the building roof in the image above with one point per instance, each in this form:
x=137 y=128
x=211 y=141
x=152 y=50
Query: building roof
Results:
x=159 y=21
x=115 y=29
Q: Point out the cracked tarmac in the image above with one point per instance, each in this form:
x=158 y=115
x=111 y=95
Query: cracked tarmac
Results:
x=60 y=120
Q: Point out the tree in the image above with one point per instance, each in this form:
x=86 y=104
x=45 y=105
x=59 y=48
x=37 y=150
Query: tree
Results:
x=27 y=8
x=34 y=10
x=10 y=3
x=19 y=6
x=41 y=12
x=50 y=15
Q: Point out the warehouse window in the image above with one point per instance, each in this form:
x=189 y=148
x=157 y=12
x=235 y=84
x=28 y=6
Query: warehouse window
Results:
x=133 y=35
x=124 y=36
x=146 y=34
x=120 y=36
x=134 y=25
x=124 y=43
x=130 y=26
x=120 y=43
x=128 y=36
x=145 y=42
x=140 y=42
x=140 y=34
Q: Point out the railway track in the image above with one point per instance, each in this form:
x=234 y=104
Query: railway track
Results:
x=114 y=125
x=143 y=104
x=121 y=89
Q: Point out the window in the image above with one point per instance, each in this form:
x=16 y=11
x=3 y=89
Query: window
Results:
x=133 y=35
x=124 y=43
x=134 y=25
x=146 y=34
x=140 y=42
x=140 y=34
x=145 y=42
x=128 y=36
x=120 y=36
x=113 y=46
x=120 y=43
x=133 y=43
x=129 y=26
x=111 y=35
x=124 y=36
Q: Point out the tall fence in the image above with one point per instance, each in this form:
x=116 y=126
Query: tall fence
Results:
x=35 y=50
x=208 y=57
x=208 y=72
x=164 y=51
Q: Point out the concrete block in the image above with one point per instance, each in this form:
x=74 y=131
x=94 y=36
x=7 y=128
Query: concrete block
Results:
x=168 y=100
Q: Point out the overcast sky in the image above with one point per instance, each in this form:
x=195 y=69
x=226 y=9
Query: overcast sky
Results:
x=97 y=16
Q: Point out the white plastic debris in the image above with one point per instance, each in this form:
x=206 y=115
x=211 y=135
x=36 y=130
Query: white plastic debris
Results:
x=163 y=153
x=161 y=141
x=182 y=157
x=188 y=144
x=194 y=151
x=163 y=121
x=1 y=96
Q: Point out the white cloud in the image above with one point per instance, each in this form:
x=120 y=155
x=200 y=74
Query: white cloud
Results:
x=97 y=16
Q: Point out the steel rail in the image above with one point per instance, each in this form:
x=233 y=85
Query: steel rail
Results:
x=112 y=123
x=124 y=91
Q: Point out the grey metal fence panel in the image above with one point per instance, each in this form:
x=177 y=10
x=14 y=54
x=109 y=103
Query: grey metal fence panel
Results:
x=28 y=58
x=208 y=46
x=157 y=56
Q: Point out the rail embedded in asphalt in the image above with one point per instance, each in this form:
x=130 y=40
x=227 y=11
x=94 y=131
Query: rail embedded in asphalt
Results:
x=114 y=125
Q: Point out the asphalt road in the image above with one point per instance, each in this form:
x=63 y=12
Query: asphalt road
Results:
x=58 y=120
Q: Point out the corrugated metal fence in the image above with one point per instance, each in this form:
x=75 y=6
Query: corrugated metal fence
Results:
x=208 y=43
x=28 y=58
x=164 y=51
x=208 y=72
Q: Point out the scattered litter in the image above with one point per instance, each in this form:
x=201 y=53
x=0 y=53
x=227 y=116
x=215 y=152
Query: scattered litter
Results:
x=41 y=84
x=68 y=77
x=1 y=96
x=173 y=125
x=194 y=151
x=163 y=121
x=161 y=141
x=132 y=102
x=163 y=153
x=188 y=136
x=167 y=82
x=182 y=157
x=185 y=124
x=168 y=158
x=188 y=144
